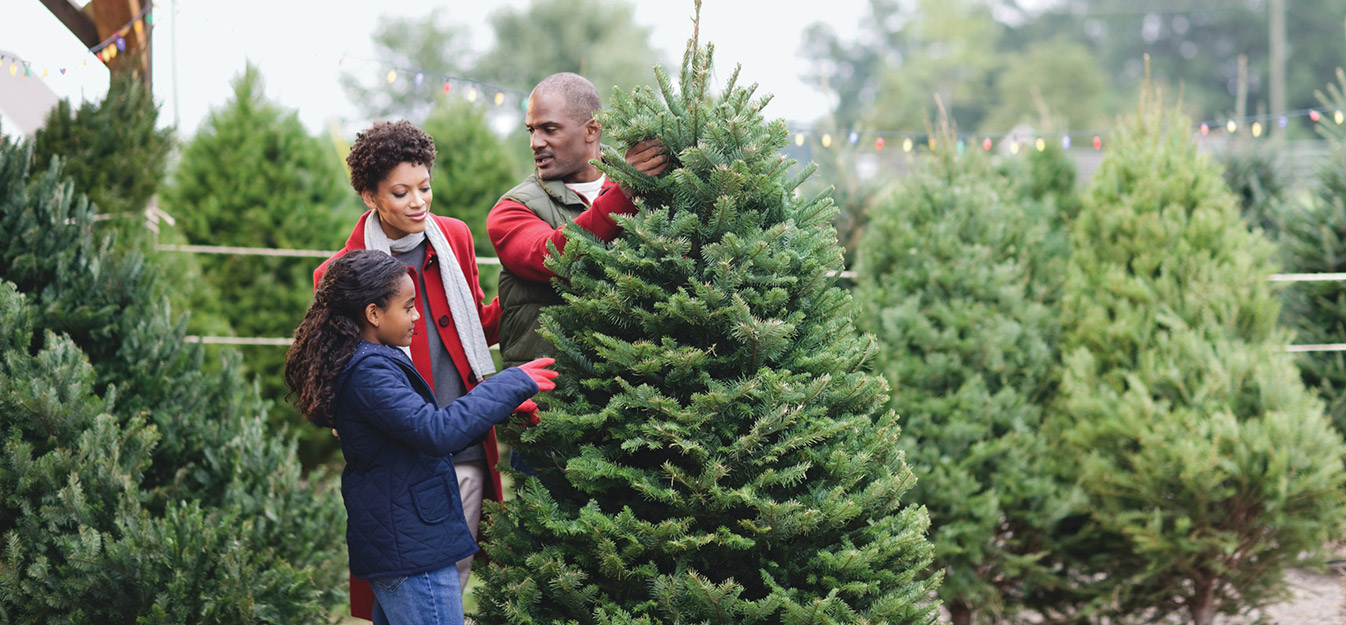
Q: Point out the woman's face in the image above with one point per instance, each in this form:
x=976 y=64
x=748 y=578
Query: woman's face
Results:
x=402 y=200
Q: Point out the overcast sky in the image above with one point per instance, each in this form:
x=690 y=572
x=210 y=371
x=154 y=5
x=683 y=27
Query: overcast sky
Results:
x=297 y=45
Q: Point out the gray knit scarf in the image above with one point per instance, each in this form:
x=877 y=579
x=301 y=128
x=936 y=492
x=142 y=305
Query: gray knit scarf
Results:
x=461 y=304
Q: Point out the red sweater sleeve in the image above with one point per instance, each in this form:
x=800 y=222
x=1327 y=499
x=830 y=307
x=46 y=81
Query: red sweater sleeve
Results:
x=520 y=237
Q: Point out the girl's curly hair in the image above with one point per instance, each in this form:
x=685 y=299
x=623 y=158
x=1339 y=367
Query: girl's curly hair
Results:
x=382 y=147
x=325 y=341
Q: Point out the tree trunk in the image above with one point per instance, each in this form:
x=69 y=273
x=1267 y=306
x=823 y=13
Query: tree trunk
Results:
x=1202 y=607
x=960 y=613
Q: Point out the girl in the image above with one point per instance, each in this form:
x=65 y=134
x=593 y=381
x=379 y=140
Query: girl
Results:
x=347 y=366
x=390 y=164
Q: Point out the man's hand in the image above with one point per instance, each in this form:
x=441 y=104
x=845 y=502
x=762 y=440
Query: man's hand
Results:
x=649 y=157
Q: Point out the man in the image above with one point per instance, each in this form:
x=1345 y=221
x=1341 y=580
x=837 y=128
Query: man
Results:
x=565 y=188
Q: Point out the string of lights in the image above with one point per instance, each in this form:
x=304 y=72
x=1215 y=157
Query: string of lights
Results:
x=486 y=92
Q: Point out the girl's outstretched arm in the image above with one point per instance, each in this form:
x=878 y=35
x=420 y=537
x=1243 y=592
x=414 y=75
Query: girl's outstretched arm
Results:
x=383 y=396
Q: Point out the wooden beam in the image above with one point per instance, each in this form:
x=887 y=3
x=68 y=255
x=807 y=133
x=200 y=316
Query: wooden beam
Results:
x=75 y=20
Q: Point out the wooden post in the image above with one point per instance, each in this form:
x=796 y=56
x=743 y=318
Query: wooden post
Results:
x=1277 y=54
x=100 y=20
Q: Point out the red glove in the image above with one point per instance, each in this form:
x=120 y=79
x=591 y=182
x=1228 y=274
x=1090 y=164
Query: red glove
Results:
x=528 y=410
x=541 y=375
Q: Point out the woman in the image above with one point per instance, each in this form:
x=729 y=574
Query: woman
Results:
x=390 y=166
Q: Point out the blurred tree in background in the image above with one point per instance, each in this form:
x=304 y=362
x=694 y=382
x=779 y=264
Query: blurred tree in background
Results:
x=1209 y=468
x=1194 y=46
x=990 y=60
x=116 y=155
x=1313 y=240
x=253 y=177
x=428 y=46
x=113 y=151
x=134 y=486
x=1028 y=89
x=960 y=280
x=597 y=39
x=473 y=166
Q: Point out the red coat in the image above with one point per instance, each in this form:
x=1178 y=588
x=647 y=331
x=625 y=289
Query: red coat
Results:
x=460 y=240
x=520 y=237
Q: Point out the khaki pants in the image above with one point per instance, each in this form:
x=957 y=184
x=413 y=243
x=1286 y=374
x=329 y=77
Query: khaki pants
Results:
x=471 y=482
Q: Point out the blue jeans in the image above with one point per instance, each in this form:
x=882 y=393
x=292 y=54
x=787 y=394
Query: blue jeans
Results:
x=423 y=599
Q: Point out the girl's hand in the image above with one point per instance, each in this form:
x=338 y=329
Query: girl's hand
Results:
x=537 y=370
x=528 y=411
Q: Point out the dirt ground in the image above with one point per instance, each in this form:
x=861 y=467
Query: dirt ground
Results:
x=1319 y=599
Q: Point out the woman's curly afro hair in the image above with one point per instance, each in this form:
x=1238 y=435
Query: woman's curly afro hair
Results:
x=381 y=148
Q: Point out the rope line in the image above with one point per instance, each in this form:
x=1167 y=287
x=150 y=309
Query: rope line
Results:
x=488 y=260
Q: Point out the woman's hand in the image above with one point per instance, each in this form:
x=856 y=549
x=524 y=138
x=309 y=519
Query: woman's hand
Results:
x=542 y=376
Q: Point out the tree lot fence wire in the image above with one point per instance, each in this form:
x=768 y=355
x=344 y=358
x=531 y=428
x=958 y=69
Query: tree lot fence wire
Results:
x=487 y=260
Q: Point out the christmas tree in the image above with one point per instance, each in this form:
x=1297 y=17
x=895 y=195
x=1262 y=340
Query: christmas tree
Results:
x=960 y=281
x=1313 y=240
x=133 y=486
x=716 y=452
x=253 y=177
x=112 y=149
x=1208 y=467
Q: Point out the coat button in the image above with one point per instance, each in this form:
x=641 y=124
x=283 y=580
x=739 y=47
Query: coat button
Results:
x=443 y=321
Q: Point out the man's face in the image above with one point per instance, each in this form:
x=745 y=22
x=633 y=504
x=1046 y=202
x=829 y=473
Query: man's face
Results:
x=562 y=145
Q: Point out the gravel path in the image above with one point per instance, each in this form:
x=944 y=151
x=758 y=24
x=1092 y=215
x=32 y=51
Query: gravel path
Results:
x=1319 y=599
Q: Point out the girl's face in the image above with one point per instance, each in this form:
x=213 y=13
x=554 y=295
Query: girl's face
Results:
x=402 y=200
x=395 y=324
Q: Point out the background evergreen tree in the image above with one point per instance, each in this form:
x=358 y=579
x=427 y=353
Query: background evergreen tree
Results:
x=112 y=148
x=1313 y=240
x=716 y=452
x=132 y=484
x=1045 y=177
x=960 y=281
x=428 y=45
x=473 y=167
x=1255 y=175
x=117 y=156
x=1208 y=467
x=253 y=177
x=598 y=39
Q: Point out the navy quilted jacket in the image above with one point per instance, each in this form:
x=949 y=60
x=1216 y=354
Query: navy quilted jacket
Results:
x=404 y=512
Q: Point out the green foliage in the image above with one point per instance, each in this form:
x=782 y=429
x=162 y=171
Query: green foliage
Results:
x=854 y=194
x=111 y=149
x=948 y=51
x=1313 y=240
x=424 y=45
x=133 y=486
x=253 y=177
x=985 y=59
x=1048 y=177
x=1058 y=78
x=1208 y=467
x=960 y=281
x=1195 y=47
x=715 y=451
x=1255 y=175
x=597 y=39
x=117 y=157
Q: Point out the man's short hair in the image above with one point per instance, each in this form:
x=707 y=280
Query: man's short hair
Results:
x=580 y=95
